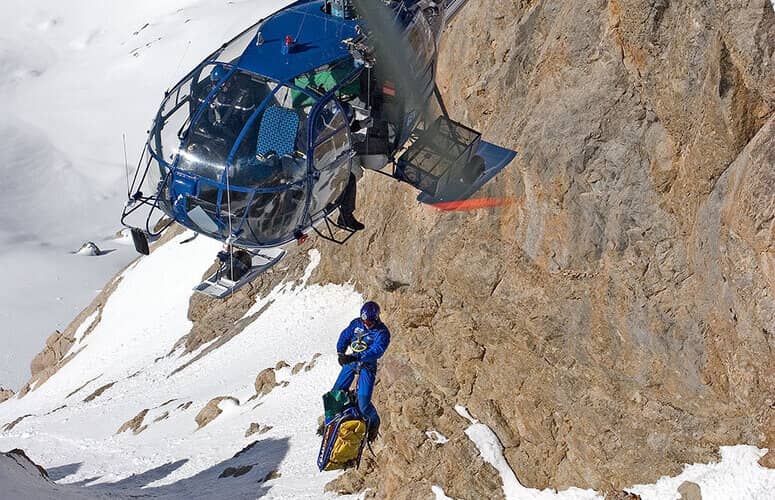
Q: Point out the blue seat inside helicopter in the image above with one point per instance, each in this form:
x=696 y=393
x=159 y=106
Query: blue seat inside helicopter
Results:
x=277 y=131
x=277 y=134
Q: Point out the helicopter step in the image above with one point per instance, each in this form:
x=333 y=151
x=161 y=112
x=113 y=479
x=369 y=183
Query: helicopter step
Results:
x=450 y=162
x=237 y=270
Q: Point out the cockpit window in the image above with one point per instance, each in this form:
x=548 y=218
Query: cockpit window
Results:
x=324 y=79
x=220 y=118
x=273 y=148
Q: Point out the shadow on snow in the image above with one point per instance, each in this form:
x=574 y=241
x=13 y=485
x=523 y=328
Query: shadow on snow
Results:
x=245 y=475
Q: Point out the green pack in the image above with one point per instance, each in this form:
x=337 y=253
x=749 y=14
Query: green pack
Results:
x=325 y=80
x=335 y=402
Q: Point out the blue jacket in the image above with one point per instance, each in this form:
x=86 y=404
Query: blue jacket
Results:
x=376 y=341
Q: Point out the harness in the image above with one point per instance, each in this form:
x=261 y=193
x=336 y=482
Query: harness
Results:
x=359 y=345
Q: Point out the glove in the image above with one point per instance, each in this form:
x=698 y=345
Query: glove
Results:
x=345 y=359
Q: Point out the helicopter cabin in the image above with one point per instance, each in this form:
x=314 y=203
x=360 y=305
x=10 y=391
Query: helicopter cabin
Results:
x=257 y=142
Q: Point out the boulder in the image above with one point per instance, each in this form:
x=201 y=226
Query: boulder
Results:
x=135 y=424
x=265 y=382
x=689 y=491
x=6 y=394
x=213 y=409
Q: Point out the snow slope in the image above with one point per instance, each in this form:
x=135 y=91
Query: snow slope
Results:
x=74 y=77
x=129 y=349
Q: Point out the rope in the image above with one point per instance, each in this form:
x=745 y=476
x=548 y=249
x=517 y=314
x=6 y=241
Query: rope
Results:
x=126 y=169
x=231 y=229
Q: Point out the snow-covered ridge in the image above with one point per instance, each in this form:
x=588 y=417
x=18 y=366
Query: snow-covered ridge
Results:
x=122 y=373
x=75 y=77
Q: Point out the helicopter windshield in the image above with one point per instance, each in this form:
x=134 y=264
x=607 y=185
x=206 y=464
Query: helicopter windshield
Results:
x=231 y=150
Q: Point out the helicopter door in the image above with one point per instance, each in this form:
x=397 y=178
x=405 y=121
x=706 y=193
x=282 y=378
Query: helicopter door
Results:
x=332 y=155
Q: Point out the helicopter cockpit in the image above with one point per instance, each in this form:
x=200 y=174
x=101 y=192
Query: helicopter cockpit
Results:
x=243 y=155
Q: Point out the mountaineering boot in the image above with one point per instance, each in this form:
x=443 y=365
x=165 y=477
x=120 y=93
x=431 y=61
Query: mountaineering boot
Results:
x=372 y=433
x=349 y=221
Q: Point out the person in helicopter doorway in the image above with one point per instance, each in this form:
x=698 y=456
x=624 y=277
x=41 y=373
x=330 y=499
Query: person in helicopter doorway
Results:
x=367 y=338
x=347 y=205
x=232 y=105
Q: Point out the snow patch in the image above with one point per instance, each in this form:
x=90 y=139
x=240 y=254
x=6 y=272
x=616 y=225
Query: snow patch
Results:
x=83 y=327
x=737 y=475
x=436 y=436
x=439 y=492
x=314 y=262
x=491 y=451
x=286 y=288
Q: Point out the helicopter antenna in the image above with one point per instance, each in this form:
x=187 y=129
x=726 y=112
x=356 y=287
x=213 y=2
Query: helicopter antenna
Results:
x=301 y=26
x=126 y=168
x=180 y=63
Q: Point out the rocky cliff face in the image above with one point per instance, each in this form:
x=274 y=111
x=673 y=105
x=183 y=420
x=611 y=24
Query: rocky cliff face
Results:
x=616 y=320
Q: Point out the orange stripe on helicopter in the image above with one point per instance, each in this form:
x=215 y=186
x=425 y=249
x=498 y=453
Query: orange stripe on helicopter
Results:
x=473 y=204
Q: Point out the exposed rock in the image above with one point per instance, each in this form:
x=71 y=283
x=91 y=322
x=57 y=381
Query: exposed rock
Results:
x=236 y=471
x=252 y=429
x=185 y=406
x=82 y=386
x=21 y=454
x=6 y=394
x=768 y=460
x=161 y=417
x=11 y=425
x=221 y=320
x=257 y=428
x=613 y=321
x=265 y=382
x=690 y=491
x=90 y=249
x=272 y=475
x=245 y=449
x=297 y=368
x=135 y=424
x=212 y=409
x=312 y=362
x=98 y=392
x=280 y=365
x=621 y=495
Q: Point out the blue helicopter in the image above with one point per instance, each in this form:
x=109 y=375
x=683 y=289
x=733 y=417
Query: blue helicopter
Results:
x=262 y=142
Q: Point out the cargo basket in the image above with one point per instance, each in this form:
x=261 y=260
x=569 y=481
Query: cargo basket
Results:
x=439 y=162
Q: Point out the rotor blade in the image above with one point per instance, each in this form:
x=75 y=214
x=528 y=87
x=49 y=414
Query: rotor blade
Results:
x=395 y=57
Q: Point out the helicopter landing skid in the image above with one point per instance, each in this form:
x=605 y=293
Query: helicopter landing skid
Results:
x=219 y=286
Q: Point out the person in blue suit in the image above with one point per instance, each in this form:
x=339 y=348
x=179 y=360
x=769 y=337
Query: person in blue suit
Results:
x=367 y=338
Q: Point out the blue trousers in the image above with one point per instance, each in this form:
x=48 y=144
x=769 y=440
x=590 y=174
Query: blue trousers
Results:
x=365 y=388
